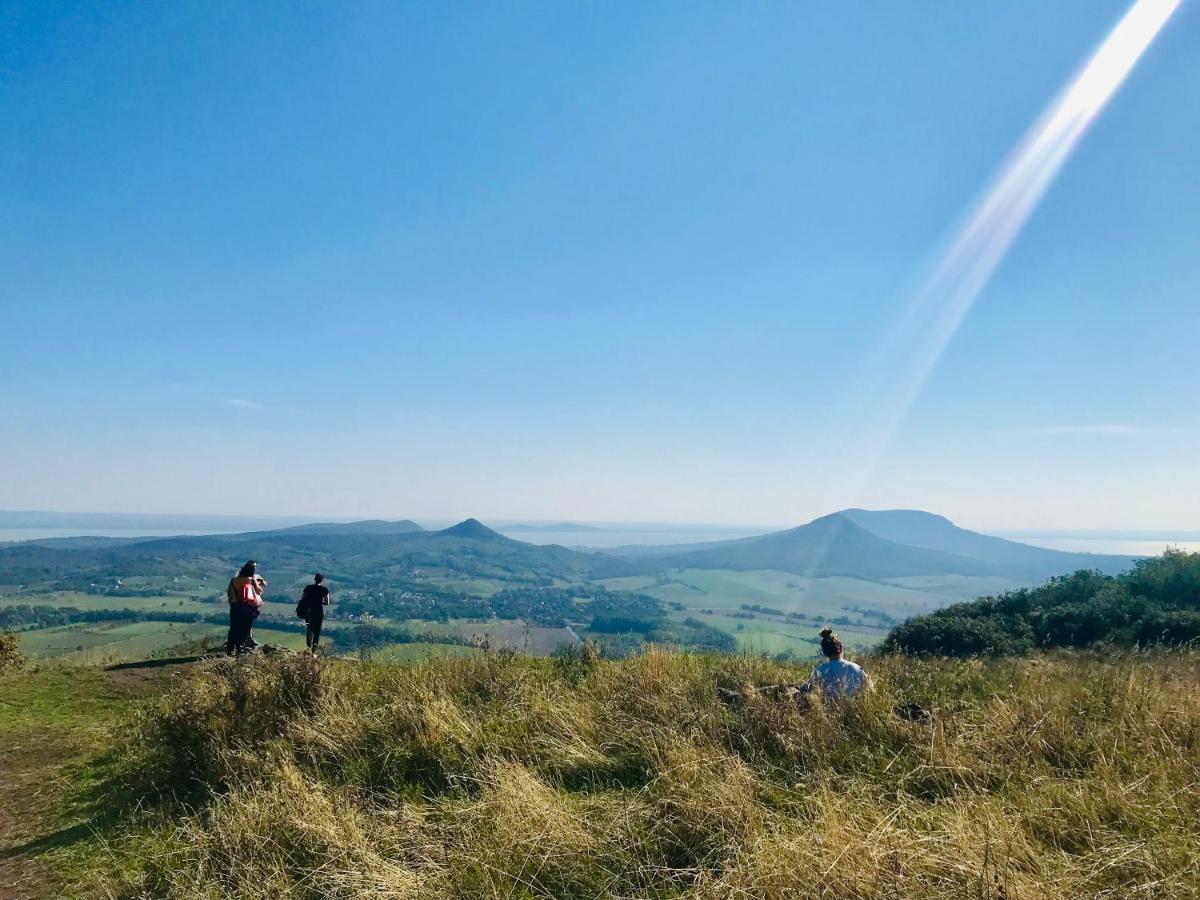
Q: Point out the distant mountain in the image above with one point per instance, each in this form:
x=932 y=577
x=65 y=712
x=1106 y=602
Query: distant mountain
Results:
x=79 y=543
x=474 y=530
x=90 y=523
x=467 y=550
x=932 y=532
x=853 y=543
x=877 y=545
x=830 y=545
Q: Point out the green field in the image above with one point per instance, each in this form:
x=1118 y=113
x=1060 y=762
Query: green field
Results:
x=771 y=634
x=81 y=600
x=820 y=600
x=821 y=597
x=714 y=596
x=952 y=588
x=516 y=635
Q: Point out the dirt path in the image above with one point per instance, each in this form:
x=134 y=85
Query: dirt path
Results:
x=31 y=786
x=52 y=721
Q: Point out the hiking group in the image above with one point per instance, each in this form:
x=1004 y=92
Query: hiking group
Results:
x=245 y=596
x=834 y=679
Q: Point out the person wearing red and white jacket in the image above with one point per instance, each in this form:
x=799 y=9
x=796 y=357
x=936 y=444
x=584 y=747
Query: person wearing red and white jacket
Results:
x=245 y=596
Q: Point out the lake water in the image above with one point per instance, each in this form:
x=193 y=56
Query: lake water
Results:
x=621 y=538
x=1119 y=545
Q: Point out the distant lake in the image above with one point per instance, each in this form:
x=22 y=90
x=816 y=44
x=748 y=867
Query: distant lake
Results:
x=1107 y=544
x=605 y=538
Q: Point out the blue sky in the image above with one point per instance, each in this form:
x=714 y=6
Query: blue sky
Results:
x=617 y=261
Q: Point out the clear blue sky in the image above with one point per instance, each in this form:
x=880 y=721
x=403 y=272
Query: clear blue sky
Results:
x=620 y=261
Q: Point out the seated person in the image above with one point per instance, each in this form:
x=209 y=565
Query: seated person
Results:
x=836 y=678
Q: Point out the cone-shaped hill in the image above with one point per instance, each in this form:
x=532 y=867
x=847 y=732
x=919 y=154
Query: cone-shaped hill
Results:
x=473 y=529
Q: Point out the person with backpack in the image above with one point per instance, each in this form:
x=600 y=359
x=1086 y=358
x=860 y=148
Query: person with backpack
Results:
x=311 y=609
x=245 y=596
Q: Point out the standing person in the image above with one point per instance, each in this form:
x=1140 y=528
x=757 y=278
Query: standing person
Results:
x=260 y=589
x=312 y=609
x=836 y=678
x=244 y=594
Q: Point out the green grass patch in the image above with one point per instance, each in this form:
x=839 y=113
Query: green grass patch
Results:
x=816 y=597
x=403 y=653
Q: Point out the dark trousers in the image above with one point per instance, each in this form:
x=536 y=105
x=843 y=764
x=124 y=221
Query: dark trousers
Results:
x=254 y=611
x=241 y=620
x=312 y=634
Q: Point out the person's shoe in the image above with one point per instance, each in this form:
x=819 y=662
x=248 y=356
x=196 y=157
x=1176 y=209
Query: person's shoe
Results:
x=252 y=644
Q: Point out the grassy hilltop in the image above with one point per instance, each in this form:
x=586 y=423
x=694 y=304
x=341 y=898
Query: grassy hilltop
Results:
x=1064 y=775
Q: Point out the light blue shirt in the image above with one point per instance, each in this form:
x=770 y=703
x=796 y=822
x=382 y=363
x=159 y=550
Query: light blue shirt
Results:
x=837 y=678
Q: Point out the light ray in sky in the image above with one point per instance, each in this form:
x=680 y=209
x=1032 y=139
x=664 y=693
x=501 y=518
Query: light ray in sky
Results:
x=938 y=307
x=933 y=315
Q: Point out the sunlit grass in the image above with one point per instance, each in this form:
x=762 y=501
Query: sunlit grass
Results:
x=1072 y=775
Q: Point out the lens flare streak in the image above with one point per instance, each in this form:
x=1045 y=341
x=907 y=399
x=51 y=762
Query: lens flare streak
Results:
x=934 y=313
x=937 y=309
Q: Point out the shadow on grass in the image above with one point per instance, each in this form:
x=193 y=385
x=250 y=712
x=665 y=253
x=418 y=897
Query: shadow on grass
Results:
x=55 y=840
x=156 y=663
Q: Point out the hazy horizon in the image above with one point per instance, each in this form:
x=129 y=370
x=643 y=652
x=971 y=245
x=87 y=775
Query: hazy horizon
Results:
x=603 y=534
x=443 y=520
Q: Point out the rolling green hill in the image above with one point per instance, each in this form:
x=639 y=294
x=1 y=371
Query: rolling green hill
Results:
x=351 y=553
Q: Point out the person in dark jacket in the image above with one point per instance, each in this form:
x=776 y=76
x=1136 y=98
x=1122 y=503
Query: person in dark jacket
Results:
x=312 y=609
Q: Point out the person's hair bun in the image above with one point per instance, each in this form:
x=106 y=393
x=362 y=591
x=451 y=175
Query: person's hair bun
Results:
x=831 y=644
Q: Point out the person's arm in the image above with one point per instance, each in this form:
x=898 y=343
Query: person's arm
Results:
x=811 y=682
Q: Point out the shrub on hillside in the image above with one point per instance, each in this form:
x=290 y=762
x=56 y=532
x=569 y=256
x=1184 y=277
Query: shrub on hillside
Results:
x=10 y=652
x=1157 y=602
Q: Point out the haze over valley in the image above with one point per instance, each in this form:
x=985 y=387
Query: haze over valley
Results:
x=862 y=570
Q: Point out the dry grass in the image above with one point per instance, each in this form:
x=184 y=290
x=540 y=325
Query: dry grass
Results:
x=10 y=652
x=1056 y=777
